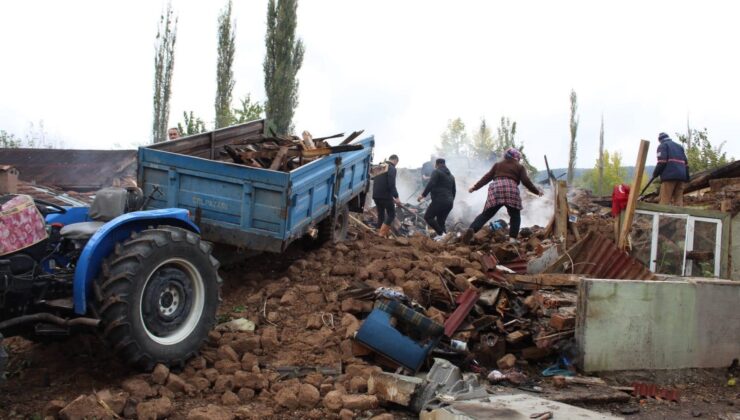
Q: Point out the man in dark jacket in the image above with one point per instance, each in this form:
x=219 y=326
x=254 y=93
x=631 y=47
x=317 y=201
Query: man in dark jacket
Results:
x=385 y=196
x=673 y=169
x=442 y=188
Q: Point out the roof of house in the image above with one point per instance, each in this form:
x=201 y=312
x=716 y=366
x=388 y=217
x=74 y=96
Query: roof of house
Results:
x=70 y=169
x=54 y=196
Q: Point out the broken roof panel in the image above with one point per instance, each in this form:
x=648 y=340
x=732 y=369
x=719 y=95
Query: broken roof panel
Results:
x=597 y=257
x=701 y=179
x=54 y=196
x=70 y=169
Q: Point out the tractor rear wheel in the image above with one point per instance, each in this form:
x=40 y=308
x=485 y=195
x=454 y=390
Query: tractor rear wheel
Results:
x=333 y=229
x=158 y=297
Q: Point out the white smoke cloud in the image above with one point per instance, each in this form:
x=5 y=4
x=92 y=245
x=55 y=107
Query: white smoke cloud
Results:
x=536 y=210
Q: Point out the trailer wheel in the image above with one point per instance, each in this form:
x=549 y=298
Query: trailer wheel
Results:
x=158 y=297
x=334 y=228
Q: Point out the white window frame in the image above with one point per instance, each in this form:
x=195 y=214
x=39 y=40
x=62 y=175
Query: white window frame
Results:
x=688 y=240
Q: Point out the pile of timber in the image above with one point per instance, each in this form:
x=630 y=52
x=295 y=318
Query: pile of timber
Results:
x=285 y=153
x=255 y=144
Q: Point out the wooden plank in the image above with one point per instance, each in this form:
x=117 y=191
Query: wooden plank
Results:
x=279 y=159
x=629 y=212
x=549 y=280
x=200 y=144
x=351 y=137
x=574 y=229
x=308 y=141
x=561 y=212
x=724 y=184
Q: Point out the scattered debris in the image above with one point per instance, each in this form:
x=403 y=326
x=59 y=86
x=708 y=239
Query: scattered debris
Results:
x=654 y=391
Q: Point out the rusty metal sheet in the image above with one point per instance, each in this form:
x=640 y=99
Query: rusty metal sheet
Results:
x=465 y=303
x=54 y=196
x=596 y=256
x=519 y=265
x=69 y=169
x=489 y=262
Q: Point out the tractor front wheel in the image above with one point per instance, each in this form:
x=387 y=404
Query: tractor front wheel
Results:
x=158 y=297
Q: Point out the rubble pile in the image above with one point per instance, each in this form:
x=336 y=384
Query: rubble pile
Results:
x=287 y=345
x=282 y=152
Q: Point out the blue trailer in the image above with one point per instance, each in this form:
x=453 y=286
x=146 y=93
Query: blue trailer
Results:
x=133 y=266
x=253 y=208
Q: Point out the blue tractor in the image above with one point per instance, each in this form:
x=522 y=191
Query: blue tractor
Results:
x=143 y=280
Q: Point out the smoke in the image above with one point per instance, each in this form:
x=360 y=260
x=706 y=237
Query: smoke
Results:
x=536 y=210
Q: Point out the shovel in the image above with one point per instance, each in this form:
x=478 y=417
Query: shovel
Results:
x=641 y=196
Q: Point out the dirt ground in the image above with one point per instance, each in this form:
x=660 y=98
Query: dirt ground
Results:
x=301 y=319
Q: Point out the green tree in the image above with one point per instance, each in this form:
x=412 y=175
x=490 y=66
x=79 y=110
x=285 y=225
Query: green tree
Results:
x=614 y=174
x=224 y=72
x=454 y=141
x=505 y=135
x=9 y=140
x=164 y=65
x=191 y=125
x=601 y=155
x=506 y=138
x=702 y=155
x=573 y=131
x=249 y=111
x=283 y=59
x=483 y=145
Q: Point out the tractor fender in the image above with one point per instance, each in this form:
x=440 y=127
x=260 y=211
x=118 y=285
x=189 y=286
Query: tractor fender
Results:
x=103 y=242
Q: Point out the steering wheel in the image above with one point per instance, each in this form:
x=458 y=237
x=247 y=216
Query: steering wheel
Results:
x=55 y=209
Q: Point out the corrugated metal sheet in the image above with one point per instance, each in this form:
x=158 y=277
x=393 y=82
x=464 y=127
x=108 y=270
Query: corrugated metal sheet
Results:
x=53 y=196
x=598 y=257
x=519 y=265
x=69 y=169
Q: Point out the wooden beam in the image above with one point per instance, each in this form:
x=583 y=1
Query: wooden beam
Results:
x=561 y=211
x=545 y=279
x=279 y=160
x=629 y=212
x=308 y=141
x=574 y=229
x=351 y=137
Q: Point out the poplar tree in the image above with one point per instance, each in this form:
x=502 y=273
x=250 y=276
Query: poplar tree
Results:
x=164 y=64
x=573 y=131
x=283 y=59
x=224 y=72
x=601 y=157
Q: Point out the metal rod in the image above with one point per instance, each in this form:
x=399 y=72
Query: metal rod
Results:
x=53 y=319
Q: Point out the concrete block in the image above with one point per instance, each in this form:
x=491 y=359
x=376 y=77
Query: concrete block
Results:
x=673 y=324
x=389 y=387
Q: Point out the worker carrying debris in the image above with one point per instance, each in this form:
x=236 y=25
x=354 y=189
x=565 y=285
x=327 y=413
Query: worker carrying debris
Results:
x=385 y=196
x=673 y=170
x=442 y=188
x=503 y=191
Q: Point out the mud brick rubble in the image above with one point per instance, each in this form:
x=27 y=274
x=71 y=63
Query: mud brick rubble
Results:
x=301 y=360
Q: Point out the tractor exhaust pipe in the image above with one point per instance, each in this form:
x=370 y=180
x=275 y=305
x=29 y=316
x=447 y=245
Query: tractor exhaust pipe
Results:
x=52 y=319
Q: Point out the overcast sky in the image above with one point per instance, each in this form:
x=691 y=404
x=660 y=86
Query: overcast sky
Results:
x=398 y=69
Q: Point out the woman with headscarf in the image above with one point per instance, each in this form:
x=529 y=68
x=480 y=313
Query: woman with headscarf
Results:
x=503 y=191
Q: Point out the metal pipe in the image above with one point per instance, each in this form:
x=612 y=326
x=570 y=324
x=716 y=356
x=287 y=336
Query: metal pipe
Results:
x=53 y=319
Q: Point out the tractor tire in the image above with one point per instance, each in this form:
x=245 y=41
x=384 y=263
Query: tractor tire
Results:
x=333 y=229
x=157 y=297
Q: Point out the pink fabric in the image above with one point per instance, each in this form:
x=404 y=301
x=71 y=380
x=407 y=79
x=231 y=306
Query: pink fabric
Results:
x=21 y=225
x=503 y=191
